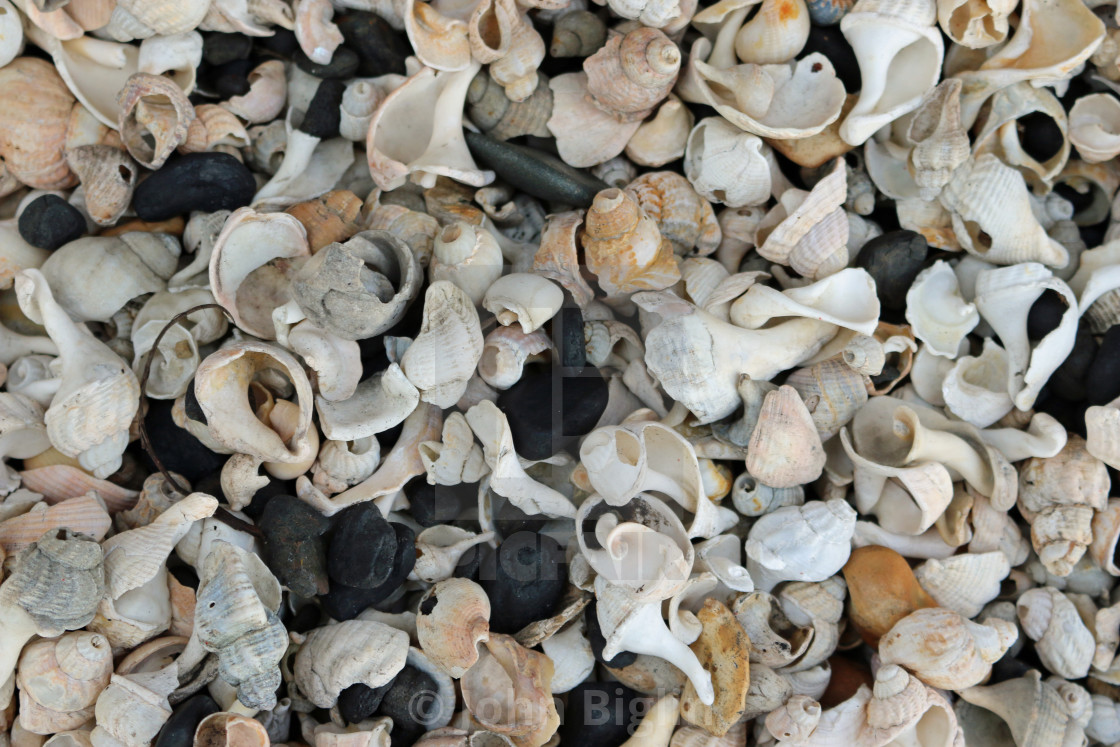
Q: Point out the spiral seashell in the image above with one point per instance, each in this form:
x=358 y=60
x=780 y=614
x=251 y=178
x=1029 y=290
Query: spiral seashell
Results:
x=153 y=108
x=940 y=141
x=108 y=176
x=809 y=231
x=577 y=33
x=964 y=583
x=491 y=109
x=800 y=543
x=360 y=99
x=632 y=73
x=975 y=25
x=33 y=129
x=343 y=464
x=214 y=127
x=840 y=392
x=1063 y=641
x=268 y=90
x=624 y=247
x=516 y=69
x=794 y=720
x=903 y=708
x=685 y=219
x=558 y=255
x=1037 y=713
x=505 y=352
x=454 y=617
x=450 y=324
x=59 y=681
x=317 y=36
x=516 y=680
x=163 y=17
x=417 y=229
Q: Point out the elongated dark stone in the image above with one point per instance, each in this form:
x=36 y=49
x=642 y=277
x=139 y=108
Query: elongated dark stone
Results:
x=525 y=578
x=600 y=714
x=219 y=48
x=358 y=702
x=568 y=332
x=1102 y=380
x=343 y=64
x=49 y=221
x=179 y=730
x=380 y=48
x=893 y=260
x=196 y=181
x=294 y=545
x=324 y=112
x=537 y=173
x=363 y=547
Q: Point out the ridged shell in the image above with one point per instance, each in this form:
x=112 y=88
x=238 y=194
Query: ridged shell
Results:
x=33 y=125
x=336 y=656
x=84 y=514
x=840 y=392
x=491 y=109
x=154 y=119
x=1063 y=641
x=59 y=681
x=454 y=617
x=58 y=482
x=624 y=247
x=58 y=582
x=684 y=218
x=108 y=176
x=964 y=583
x=632 y=73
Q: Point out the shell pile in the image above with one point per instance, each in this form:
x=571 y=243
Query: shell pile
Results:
x=467 y=373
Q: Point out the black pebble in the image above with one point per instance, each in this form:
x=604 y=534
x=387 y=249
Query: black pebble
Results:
x=600 y=714
x=438 y=504
x=540 y=426
x=407 y=702
x=1102 y=380
x=1039 y=136
x=346 y=602
x=525 y=578
x=275 y=487
x=230 y=79
x=218 y=48
x=196 y=181
x=568 y=333
x=343 y=64
x=179 y=451
x=308 y=618
x=49 y=221
x=1045 y=314
x=832 y=44
x=293 y=544
x=598 y=642
x=535 y=172
x=324 y=112
x=362 y=548
x=1070 y=414
x=179 y=730
x=379 y=47
x=358 y=702
x=893 y=260
x=1068 y=381
x=509 y=519
x=281 y=44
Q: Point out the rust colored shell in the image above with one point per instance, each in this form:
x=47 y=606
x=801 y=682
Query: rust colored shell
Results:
x=632 y=73
x=684 y=217
x=882 y=589
x=624 y=247
x=33 y=123
x=723 y=649
x=330 y=218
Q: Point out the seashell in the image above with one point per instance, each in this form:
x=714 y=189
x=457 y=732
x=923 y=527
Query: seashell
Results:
x=899 y=51
x=1104 y=725
x=800 y=543
x=468 y=256
x=652 y=13
x=84 y=514
x=248 y=242
x=527 y=299
x=504 y=353
x=975 y=388
x=796 y=719
x=808 y=230
x=999 y=135
x=883 y=591
x=457 y=458
x=558 y=256
x=753 y=498
x=268 y=88
x=903 y=708
x=1063 y=642
x=1002 y=289
x=439 y=36
x=577 y=33
x=440 y=548
x=108 y=176
x=632 y=73
x=507 y=674
x=54 y=588
x=516 y=69
x=220 y=126
x=839 y=389
x=785 y=450
x=397 y=150
x=176 y=55
x=33 y=137
x=937 y=312
x=1035 y=712
x=727 y=165
x=975 y=25
x=663 y=138
x=450 y=323
x=90 y=413
x=964 y=583
x=346 y=289
x=310 y=167
x=846 y=299
x=684 y=218
x=945 y=650
x=586 y=135
x=317 y=36
x=775 y=641
x=1093 y=124
x=417 y=229
x=940 y=142
x=328 y=661
x=775 y=34
x=225 y=729
x=163 y=18
x=235 y=618
x=59 y=482
x=453 y=618
x=11 y=34
x=359 y=101
x=59 y=681
x=343 y=464
x=784 y=102
x=133 y=708
x=491 y=109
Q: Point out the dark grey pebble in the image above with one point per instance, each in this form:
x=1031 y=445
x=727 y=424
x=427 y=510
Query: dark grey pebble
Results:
x=324 y=112
x=219 y=48
x=282 y=44
x=600 y=714
x=358 y=702
x=346 y=602
x=179 y=730
x=362 y=547
x=1102 y=381
x=541 y=426
x=196 y=181
x=343 y=64
x=1045 y=314
x=1068 y=381
x=535 y=172
x=49 y=221
x=893 y=260
x=524 y=579
x=410 y=702
x=294 y=546
x=380 y=48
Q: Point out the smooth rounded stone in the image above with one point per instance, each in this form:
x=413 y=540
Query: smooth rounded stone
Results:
x=832 y=44
x=219 y=48
x=347 y=602
x=541 y=426
x=412 y=693
x=179 y=730
x=598 y=642
x=1102 y=380
x=1045 y=315
x=379 y=47
x=600 y=714
x=324 y=112
x=525 y=578
x=567 y=329
x=176 y=448
x=828 y=12
x=294 y=547
x=1039 y=136
x=1068 y=381
x=510 y=520
x=358 y=702
x=49 y=221
x=362 y=547
x=438 y=504
x=535 y=172
x=231 y=79
x=893 y=260
x=196 y=181
x=282 y=43
x=275 y=487
x=343 y=64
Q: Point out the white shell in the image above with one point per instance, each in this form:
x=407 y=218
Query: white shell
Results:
x=727 y=165
x=1094 y=127
x=964 y=583
x=456 y=458
x=1062 y=640
x=945 y=650
x=800 y=543
x=975 y=389
x=444 y=355
x=938 y=314
x=525 y=298
x=329 y=661
x=846 y=299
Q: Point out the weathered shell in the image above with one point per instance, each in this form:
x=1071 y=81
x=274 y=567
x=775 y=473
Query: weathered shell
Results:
x=108 y=176
x=632 y=73
x=684 y=218
x=155 y=117
x=491 y=109
x=133 y=708
x=454 y=617
x=328 y=662
x=722 y=649
x=85 y=514
x=507 y=691
x=577 y=33
x=663 y=138
x=800 y=543
x=1063 y=642
x=964 y=583
x=33 y=128
x=624 y=247
x=785 y=449
x=59 y=681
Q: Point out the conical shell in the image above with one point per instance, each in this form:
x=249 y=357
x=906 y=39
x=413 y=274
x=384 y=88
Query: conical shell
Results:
x=964 y=583
x=624 y=247
x=902 y=707
x=33 y=127
x=785 y=449
x=632 y=73
x=108 y=176
x=663 y=138
x=491 y=109
x=940 y=141
x=683 y=217
x=839 y=389
x=133 y=708
x=1063 y=641
x=775 y=34
x=558 y=255
x=454 y=617
x=59 y=681
x=1034 y=711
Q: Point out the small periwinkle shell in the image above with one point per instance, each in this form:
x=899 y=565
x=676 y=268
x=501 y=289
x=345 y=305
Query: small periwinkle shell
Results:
x=196 y=181
x=49 y=221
